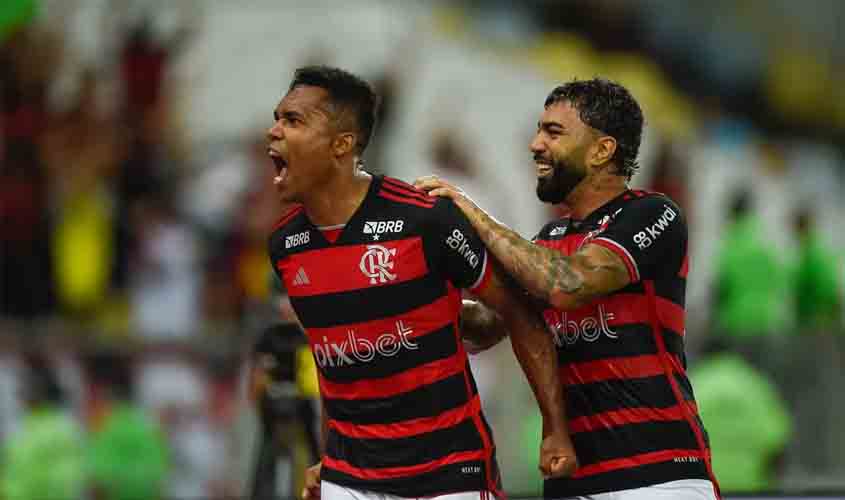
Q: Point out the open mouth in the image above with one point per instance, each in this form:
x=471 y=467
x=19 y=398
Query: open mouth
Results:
x=280 y=163
x=544 y=169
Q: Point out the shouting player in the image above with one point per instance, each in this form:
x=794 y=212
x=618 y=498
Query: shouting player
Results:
x=374 y=269
x=612 y=279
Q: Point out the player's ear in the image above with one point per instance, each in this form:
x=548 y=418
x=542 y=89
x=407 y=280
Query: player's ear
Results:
x=344 y=143
x=602 y=150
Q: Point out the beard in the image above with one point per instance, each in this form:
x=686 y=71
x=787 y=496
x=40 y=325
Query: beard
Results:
x=563 y=179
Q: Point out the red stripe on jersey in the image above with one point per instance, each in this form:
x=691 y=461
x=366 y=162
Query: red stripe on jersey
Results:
x=419 y=321
x=287 y=217
x=654 y=312
x=400 y=472
x=343 y=268
x=622 y=252
x=648 y=365
x=386 y=387
x=622 y=309
x=402 y=199
x=486 y=274
x=625 y=416
x=409 y=427
x=402 y=188
x=684 y=267
x=635 y=461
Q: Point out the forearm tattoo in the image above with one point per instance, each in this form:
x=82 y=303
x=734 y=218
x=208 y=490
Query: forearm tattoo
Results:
x=542 y=271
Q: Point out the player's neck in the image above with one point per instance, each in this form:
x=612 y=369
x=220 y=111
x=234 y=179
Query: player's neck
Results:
x=591 y=195
x=338 y=201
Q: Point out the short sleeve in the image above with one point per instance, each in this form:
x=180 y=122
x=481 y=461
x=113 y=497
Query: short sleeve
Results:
x=455 y=247
x=650 y=235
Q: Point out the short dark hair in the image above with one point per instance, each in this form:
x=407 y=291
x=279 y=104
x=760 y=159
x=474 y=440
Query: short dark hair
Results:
x=608 y=107
x=348 y=92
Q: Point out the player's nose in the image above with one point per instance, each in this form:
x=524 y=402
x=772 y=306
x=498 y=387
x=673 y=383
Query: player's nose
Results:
x=536 y=146
x=275 y=132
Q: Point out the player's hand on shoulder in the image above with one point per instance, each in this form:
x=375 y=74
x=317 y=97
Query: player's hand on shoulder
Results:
x=436 y=186
x=311 y=491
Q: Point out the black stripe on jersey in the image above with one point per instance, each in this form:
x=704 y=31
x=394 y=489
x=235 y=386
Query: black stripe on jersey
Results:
x=447 y=479
x=635 y=339
x=624 y=479
x=386 y=301
x=672 y=289
x=684 y=386
x=432 y=346
x=633 y=439
x=617 y=394
x=419 y=449
x=426 y=401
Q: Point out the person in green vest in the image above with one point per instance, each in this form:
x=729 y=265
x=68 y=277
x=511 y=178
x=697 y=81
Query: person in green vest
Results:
x=747 y=421
x=44 y=459
x=751 y=281
x=816 y=278
x=127 y=456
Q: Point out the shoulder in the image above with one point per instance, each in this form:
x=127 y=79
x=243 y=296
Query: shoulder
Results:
x=639 y=206
x=289 y=216
x=290 y=223
x=400 y=192
x=643 y=200
x=553 y=230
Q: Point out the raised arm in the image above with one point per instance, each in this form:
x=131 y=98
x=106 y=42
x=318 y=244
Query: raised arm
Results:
x=562 y=281
x=534 y=349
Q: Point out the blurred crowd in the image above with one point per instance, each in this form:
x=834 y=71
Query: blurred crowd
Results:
x=135 y=203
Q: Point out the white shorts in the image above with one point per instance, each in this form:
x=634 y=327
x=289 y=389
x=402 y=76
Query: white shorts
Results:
x=685 y=489
x=331 y=491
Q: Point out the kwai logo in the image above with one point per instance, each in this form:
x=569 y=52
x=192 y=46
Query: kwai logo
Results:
x=568 y=331
x=353 y=349
x=644 y=239
x=458 y=242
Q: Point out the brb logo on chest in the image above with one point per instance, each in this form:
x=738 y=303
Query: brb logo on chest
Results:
x=354 y=349
x=377 y=264
x=376 y=228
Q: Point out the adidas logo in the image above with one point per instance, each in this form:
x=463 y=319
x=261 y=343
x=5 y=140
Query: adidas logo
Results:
x=558 y=231
x=301 y=278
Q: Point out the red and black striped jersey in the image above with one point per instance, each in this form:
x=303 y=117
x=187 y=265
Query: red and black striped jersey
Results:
x=633 y=417
x=380 y=307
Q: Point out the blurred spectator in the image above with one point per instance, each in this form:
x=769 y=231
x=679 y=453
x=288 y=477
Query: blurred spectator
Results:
x=26 y=268
x=751 y=282
x=284 y=388
x=165 y=289
x=817 y=278
x=747 y=422
x=816 y=352
x=127 y=453
x=44 y=459
x=175 y=387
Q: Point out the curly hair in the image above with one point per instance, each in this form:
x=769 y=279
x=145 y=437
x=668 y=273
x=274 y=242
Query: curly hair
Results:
x=346 y=91
x=609 y=108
